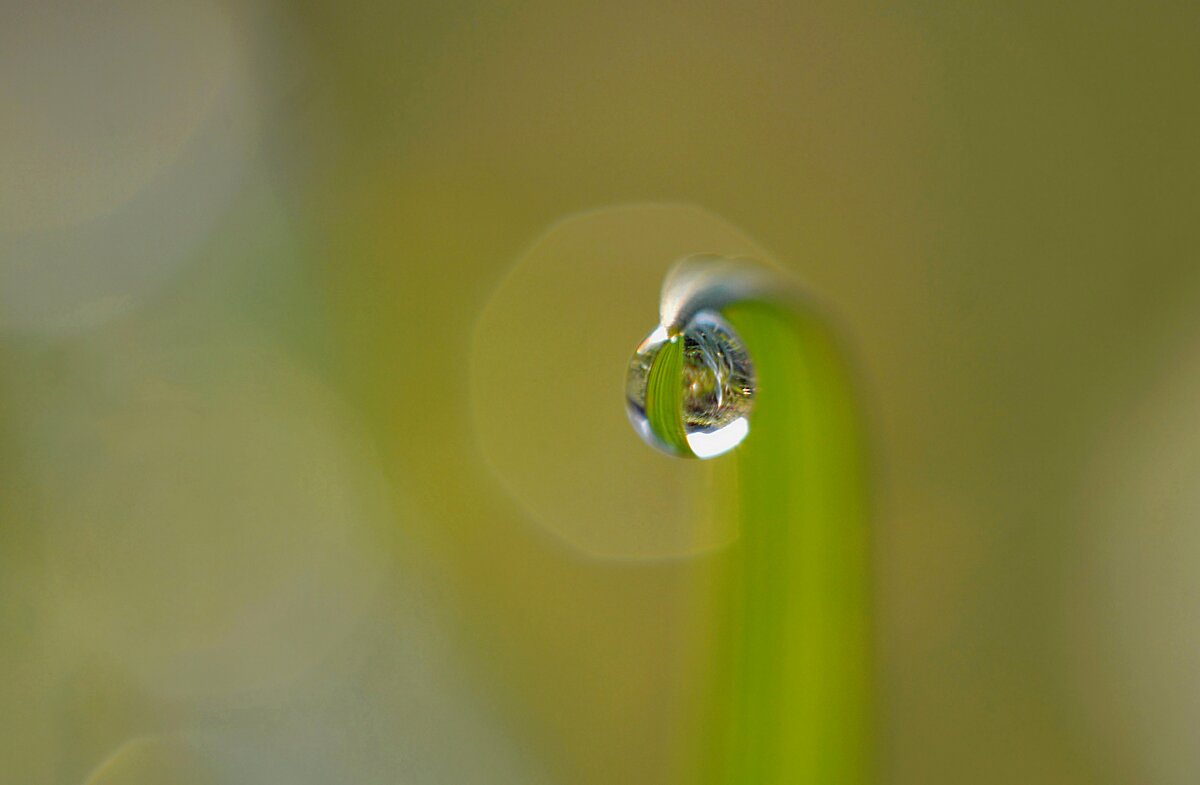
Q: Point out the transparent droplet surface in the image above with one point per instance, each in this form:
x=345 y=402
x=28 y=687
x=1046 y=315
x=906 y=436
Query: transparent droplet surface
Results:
x=718 y=386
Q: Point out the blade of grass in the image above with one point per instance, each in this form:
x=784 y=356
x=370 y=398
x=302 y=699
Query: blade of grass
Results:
x=790 y=649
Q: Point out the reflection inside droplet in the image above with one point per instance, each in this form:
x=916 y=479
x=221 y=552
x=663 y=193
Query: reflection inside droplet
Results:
x=718 y=386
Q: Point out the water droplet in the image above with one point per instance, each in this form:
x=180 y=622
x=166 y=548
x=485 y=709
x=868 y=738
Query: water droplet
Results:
x=718 y=387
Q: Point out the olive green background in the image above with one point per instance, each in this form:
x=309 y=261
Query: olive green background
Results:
x=257 y=523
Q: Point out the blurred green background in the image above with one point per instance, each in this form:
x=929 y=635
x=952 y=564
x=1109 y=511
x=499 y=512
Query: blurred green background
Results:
x=313 y=325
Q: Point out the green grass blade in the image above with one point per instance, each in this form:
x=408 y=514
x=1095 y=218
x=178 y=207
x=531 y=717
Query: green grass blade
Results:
x=790 y=698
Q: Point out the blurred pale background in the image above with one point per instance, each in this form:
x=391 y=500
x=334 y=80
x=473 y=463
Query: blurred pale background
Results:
x=313 y=323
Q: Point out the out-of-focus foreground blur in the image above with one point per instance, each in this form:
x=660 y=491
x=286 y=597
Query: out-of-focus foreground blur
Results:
x=314 y=319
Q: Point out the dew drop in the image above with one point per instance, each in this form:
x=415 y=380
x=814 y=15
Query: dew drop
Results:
x=718 y=387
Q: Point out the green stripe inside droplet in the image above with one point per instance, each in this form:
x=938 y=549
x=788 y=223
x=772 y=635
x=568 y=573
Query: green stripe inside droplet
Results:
x=664 y=396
